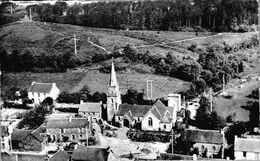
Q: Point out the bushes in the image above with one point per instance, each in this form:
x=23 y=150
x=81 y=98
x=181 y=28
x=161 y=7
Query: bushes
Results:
x=146 y=136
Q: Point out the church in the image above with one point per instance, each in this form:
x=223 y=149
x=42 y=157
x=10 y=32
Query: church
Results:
x=157 y=117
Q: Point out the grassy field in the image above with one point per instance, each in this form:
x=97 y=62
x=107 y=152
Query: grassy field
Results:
x=240 y=90
x=64 y=81
x=162 y=85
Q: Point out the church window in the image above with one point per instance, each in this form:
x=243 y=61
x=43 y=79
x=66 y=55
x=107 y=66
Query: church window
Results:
x=150 y=121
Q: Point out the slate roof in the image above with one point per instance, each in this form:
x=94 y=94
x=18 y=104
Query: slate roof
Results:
x=136 y=110
x=82 y=152
x=20 y=135
x=40 y=87
x=247 y=144
x=204 y=136
x=155 y=112
x=66 y=124
x=60 y=156
x=166 y=118
x=4 y=131
x=160 y=106
x=22 y=157
x=90 y=107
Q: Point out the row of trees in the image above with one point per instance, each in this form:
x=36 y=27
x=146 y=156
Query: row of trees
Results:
x=216 y=15
x=28 y=60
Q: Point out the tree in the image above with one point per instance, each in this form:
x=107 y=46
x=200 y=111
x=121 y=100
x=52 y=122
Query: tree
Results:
x=131 y=96
x=200 y=85
x=48 y=101
x=33 y=118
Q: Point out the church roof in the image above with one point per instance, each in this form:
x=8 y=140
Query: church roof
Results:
x=136 y=110
x=113 y=80
x=160 y=107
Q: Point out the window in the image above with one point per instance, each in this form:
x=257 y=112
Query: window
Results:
x=62 y=131
x=138 y=119
x=73 y=137
x=244 y=154
x=81 y=136
x=164 y=126
x=150 y=121
x=38 y=94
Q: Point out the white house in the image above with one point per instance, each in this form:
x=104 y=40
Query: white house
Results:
x=247 y=148
x=90 y=110
x=39 y=91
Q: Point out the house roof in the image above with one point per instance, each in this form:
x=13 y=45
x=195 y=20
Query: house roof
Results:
x=60 y=156
x=90 y=107
x=40 y=87
x=65 y=123
x=4 y=131
x=204 y=136
x=247 y=144
x=82 y=153
x=128 y=114
x=136 y=110
x=20 y=135
x=160 y=107
x=22 y=157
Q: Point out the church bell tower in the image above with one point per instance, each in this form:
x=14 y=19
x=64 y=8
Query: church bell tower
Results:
x=114 y=95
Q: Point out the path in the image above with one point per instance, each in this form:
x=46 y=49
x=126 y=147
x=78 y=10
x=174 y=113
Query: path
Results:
x=178 y=41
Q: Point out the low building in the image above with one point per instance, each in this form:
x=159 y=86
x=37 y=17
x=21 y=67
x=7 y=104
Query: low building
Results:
x=60 y=156
x=93 y=153
x=90 y=110
x=18 y=156
x=247 y=148
x=128 y=115
x=68 y=129
x=39 y=91
x=212 y=140
x=27 y=140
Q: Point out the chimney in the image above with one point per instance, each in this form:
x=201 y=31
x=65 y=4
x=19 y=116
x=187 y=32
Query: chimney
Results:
x=61 y=148
x=53 y=84
x=33 y=83
x=81 y=102
x=76 y=146
x=70 y=118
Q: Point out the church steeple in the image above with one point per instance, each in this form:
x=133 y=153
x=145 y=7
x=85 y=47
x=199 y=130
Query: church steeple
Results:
x=113 y=81
x=114 y=94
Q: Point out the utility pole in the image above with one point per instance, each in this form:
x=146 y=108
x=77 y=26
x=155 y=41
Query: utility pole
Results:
x=75 y=44
x=30 y=16
x=211 y=98
x=11 y=8
x=223 y=83
x=172 y=142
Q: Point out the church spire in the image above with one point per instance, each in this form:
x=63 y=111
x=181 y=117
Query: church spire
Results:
x=113 y=81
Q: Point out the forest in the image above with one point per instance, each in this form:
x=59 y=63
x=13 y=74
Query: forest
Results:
x=171 y=15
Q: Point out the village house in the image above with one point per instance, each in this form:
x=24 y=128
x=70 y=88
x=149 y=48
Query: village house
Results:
x=90 y=110
x=68 y=129
x=39 y=91
x=211 y=141
x=18 y=156
x=60 y=156
x=28 y=140
x=247 y=148
x=7 y=127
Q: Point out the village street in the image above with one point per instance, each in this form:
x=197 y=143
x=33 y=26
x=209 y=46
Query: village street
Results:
x=122 y=146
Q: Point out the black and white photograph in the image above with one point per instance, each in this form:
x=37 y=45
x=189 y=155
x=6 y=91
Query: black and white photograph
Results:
x=129 y=80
